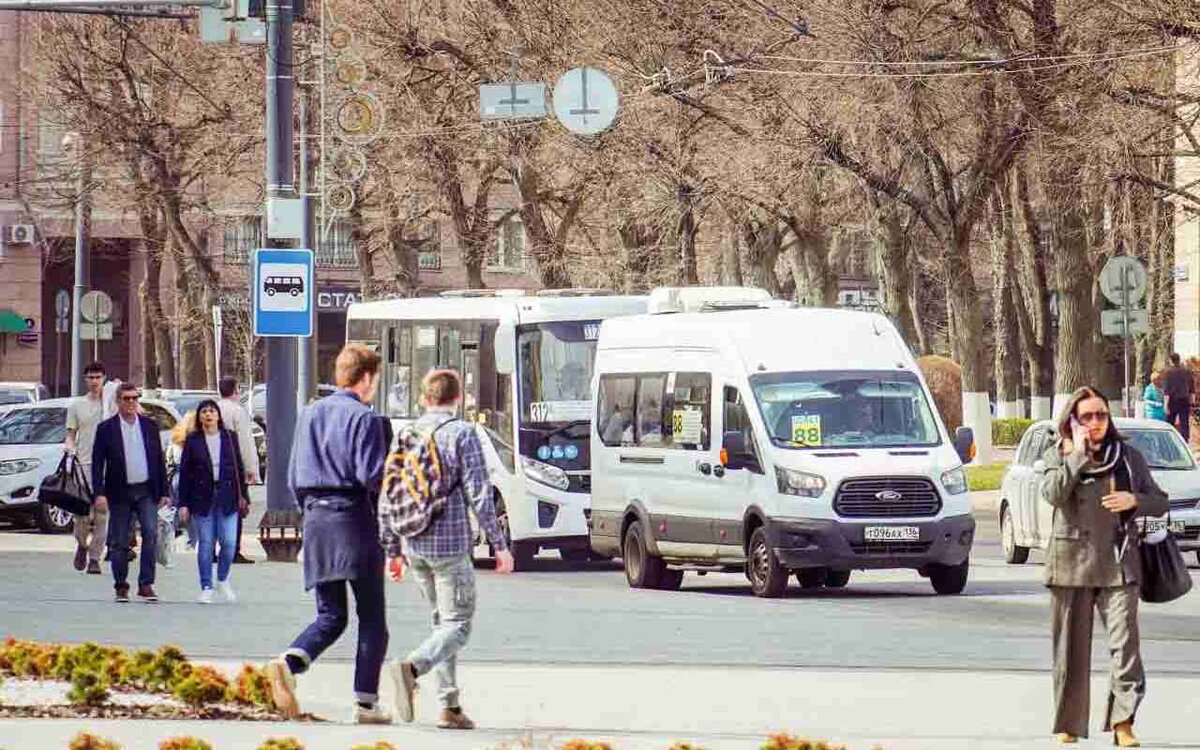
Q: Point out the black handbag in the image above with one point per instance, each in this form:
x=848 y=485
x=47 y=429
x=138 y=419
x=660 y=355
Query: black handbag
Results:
x=1165 y=576
x=67 y=488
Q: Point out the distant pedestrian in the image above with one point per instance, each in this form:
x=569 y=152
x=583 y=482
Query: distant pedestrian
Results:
x=84 y=415
x=129 y=477
x=336 y=471
x=1154 y=399
x=184 y=427
x=212 y=488
x=1179 y=387
x=1098 y=484
x=440 y=555
x=238 y=421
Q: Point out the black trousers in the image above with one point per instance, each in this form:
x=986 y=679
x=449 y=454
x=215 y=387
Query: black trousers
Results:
x=1179 y=415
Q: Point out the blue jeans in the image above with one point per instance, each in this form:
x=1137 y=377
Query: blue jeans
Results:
x=333 y=614
x=139 y=504
x=448 y=585
x=211 y=529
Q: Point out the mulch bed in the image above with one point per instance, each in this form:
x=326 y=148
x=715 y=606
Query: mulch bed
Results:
x=171 y=713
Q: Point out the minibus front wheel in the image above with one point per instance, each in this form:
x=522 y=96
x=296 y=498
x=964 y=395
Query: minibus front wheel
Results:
x=767 y=577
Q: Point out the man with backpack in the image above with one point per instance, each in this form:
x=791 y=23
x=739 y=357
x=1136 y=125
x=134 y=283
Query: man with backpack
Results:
x=436 y=472
x=336 y=471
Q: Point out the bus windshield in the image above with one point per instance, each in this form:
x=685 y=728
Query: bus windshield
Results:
x=555 y=362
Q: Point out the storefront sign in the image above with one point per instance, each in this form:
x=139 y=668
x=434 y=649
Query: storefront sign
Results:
x=337 y=299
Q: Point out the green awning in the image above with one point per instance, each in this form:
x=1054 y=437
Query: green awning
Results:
x=11 y=322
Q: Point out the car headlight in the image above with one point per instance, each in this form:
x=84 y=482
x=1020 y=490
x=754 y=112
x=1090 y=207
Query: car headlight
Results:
x=545 y=473
x=955 y=481
x=18 y=466
x=799 y=483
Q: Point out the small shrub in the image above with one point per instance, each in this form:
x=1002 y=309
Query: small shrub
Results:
x=168 y=667
x=184 y=743
x=137 y=668
x=90 y=656
x=1009 y=431
x=89 y=741
x=281 y=743
x=89 y=687
x=202 y=686
x=381 y=745
x=786 y=741
x=29 y=659
x=944 y=378
x=685 y=746
x=585 y=745
x=251 y=688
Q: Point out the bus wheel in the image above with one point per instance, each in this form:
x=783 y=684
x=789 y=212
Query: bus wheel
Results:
x=642 y=569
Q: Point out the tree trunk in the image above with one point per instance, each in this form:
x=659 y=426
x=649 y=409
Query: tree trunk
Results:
x=1004 y=323
x=763 y=242
x=1033 y=302
x=893 y=274
x=689 y=274
x=731 y=260
x=638 y=243
x=547 y=246
x=924 y=342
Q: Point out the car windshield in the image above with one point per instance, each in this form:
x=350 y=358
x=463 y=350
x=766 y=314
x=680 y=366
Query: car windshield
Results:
x=805 y=410
x=8 y=397
x=556 y=361
x=1163 y=449
x=186 y=402
x=33 y=426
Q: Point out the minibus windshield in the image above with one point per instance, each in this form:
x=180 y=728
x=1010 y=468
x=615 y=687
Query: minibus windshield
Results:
x=807 y=410
x=555 y=369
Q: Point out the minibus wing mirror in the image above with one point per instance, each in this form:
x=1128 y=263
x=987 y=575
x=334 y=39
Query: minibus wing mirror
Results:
x=506 y=347
x=964 y=444
x=734 y=453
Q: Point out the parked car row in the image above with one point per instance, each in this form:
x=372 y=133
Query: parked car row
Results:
x=1026 y=520
x=31 y=447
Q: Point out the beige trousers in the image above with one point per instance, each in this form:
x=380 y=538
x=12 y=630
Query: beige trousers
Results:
x=91 y=531
x=1072 y=612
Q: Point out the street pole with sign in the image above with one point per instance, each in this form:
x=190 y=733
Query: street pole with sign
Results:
x=217 y=329
x=1123 y=283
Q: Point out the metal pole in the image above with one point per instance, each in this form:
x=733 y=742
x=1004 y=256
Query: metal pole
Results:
x=83 y=221
x=281 y=351
x=68 y=5
x=304 y=377
x=1125 y=400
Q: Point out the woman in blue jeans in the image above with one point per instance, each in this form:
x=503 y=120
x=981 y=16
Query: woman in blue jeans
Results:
x=212 y=490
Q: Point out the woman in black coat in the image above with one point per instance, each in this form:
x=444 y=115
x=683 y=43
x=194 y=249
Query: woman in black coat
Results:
x=212 y=490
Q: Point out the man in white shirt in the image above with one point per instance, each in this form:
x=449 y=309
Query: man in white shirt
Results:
x=238 y=421
x=84 y=415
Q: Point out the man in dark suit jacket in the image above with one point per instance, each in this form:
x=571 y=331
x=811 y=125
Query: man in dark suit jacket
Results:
x=129 y=477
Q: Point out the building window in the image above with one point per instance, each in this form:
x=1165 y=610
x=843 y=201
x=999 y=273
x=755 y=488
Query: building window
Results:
x=337 y=249
x=242 y=236
x=425 y=239
x=508 y=252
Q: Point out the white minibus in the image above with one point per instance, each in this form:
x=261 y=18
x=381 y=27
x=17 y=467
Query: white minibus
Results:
x=732 y=433
x=526 y=363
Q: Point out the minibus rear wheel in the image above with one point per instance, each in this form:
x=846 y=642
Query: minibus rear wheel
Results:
x=642 y=569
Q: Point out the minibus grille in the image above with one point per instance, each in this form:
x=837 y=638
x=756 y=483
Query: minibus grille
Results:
x=891 y=548
x=887 y=497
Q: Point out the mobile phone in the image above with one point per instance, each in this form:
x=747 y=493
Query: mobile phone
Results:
x=1075 y=423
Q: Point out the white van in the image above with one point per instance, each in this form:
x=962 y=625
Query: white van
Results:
x=737 y=435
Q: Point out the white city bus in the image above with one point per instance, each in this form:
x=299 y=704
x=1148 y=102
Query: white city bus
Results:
x=526 y=363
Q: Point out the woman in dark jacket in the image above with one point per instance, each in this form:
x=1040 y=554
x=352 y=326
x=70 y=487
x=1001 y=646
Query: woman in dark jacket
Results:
x=212 y=490
x=1098 y=485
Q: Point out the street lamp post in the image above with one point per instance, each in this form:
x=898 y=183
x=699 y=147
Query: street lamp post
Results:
x=83 y=221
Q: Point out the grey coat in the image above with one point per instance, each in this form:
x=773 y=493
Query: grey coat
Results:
x=1083 y=546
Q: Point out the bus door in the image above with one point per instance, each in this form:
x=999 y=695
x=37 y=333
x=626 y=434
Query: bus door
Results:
x=469 y=368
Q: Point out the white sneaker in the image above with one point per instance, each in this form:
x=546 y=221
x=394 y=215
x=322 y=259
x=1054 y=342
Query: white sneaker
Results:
x=225 y=592
x=206 y=596
x=372 y=715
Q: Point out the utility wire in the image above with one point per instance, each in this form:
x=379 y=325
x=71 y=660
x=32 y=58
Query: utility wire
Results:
x=999 y=61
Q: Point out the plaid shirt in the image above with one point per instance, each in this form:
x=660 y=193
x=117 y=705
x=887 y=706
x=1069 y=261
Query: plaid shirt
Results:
x=450 y=535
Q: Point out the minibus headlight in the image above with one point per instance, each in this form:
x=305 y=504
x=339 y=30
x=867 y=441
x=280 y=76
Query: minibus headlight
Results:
x=799 y=483
x=551 y=476
x=955 y=481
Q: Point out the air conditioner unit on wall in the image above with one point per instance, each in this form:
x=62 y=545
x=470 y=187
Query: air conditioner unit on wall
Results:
x=18 y=234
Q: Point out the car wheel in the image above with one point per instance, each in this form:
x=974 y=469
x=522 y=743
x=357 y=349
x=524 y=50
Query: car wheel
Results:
x=837 y=579
x=1014 y=554
x=811 y=578
x=642 y=569
x=671 y=580
x=949 y=579
x=52 y=520
x=523 y=552
x=768 y=578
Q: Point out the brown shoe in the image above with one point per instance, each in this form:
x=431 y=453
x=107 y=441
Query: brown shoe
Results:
x=283 y=687
x=80 y=561
x=146 y=594
x=93 y=568
x=454 y=718
x=122 y=595
x=1123 y=735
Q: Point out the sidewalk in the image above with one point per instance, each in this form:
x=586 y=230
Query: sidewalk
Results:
x=638 y=708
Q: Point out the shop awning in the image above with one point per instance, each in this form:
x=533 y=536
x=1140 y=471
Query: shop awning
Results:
x=11 y=322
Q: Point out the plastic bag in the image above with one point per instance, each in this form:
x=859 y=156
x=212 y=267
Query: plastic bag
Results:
x=166 y=536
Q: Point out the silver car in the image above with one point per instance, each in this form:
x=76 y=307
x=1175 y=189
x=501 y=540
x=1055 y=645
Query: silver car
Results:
x=1025 y=520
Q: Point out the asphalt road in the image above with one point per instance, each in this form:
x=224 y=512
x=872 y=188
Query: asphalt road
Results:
x=882 y=620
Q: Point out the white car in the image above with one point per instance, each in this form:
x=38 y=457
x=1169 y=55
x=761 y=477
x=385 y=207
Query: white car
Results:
x=12 y=394
x=31 y=446
x=1026 y=521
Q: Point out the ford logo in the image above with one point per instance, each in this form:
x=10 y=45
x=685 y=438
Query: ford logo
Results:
x=888 y=496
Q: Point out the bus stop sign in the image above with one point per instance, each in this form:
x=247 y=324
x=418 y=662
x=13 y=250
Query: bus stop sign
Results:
x=283 y=292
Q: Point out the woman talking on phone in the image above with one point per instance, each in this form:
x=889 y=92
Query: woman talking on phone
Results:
x=1097 y=484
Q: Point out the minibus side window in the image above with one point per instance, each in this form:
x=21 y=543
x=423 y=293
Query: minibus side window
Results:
x=689 y=427
x=614 y=409
x=650 y=430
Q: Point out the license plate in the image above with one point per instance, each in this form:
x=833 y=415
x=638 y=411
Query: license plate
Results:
x=891 y=533
x=1177 y=527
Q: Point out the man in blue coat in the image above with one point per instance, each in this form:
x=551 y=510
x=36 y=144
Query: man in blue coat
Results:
x=129 y=477
x=336 y=470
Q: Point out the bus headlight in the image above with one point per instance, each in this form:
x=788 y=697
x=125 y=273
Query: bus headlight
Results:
x=551 y=476
x=799 y=483
x=955 y=481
